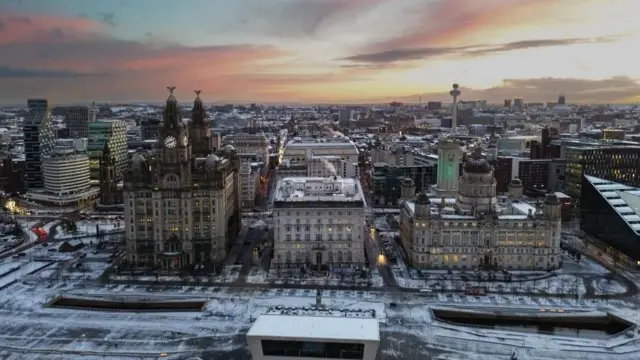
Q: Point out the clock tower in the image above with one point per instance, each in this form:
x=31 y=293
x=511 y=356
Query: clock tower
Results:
x=174 y=139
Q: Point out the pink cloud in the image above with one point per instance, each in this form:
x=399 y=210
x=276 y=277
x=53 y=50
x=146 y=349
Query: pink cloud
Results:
x=21 y=27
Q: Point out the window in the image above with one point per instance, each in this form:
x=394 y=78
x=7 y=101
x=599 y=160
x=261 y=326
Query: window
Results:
x=312 y=349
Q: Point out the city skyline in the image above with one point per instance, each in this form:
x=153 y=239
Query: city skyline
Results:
x=324 y=51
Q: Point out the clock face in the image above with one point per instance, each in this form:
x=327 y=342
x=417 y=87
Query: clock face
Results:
x=170 y=142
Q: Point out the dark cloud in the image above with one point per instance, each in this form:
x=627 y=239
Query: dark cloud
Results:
x=9 y=72
x=21 y=19
x=108 y=18
x=410 y=54
x=611 y=90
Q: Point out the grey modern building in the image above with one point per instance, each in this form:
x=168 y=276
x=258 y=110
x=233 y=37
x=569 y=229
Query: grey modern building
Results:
x=39 y=138
x=149 y=127
x=77 y=120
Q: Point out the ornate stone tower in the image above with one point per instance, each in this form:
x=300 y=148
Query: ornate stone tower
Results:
x=515 y=189
x=422 y=207
x=477 y=192
x=200 y=128
x=109 y=192
x=408 y=189
x=175 y=148
x=552 y=208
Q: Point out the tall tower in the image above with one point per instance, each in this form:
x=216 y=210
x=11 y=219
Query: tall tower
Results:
x=109 y=192
x=455 y=92
x=449 y=154
x=492 y=149
x=199 y=128
x=408 y=189
x=175 y=148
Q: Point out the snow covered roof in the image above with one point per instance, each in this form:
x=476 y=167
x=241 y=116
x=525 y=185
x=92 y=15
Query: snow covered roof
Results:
x=305 y=189
x=315 y=327
x=625 y=200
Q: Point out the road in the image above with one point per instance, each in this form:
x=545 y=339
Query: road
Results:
x=254 y=237
x=373 y=250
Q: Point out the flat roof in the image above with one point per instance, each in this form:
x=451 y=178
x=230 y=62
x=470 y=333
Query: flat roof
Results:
x=316 y=327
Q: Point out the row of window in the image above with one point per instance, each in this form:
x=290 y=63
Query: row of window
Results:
x=311 y=213
x=320 y=237
x=329 y=228
x=306 y=256
x=477 y=250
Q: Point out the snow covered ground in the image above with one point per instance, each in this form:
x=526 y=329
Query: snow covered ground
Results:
x=258 y=276
x=605 y=286
x=218 y=331
x=89 y=227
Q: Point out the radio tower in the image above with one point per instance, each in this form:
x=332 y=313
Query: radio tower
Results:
x=455 y=92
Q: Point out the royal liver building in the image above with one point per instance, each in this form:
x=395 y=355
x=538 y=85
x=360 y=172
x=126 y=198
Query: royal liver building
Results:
x=181 y=205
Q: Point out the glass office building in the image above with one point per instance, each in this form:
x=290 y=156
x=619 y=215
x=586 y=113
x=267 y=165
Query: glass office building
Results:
x=610 y=213
x=113 y=133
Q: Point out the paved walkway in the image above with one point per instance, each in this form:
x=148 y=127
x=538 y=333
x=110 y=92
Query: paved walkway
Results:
x=176 y=284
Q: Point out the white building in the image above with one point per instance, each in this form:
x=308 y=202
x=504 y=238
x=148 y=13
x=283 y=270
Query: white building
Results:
x=66 y=175
x=319 y=223
x=274 y=337
x=476 y=229
x=299 y=152
x=326 y=166
x=250 y=144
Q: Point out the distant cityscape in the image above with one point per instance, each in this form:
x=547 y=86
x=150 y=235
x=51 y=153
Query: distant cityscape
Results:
x=219 y=210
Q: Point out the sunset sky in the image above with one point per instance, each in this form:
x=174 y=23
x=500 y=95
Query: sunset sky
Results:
x=314 y=51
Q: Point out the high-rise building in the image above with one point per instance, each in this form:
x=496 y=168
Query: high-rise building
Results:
x=111 y=133
x=180 y=209
x=609 y=212
x=149 y=127
x=39 y=137
x=66 y=169
x=562 y=100
x=77 y=119
x=534 y=175
x=110 y=191
x=518 y=103
x=449 y=155
x=11 y=174
x=612 y=163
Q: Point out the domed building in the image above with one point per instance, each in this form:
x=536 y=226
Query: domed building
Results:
x=475 y=229
x=181 y=203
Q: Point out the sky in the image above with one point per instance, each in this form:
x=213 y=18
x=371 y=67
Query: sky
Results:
x=319 y=51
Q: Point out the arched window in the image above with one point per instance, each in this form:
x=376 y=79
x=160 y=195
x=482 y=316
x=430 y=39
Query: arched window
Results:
x=340 y=256
x=172 y=181
x=288 y=256
x=349 y=256
x=298 y=256
x=330 y=256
